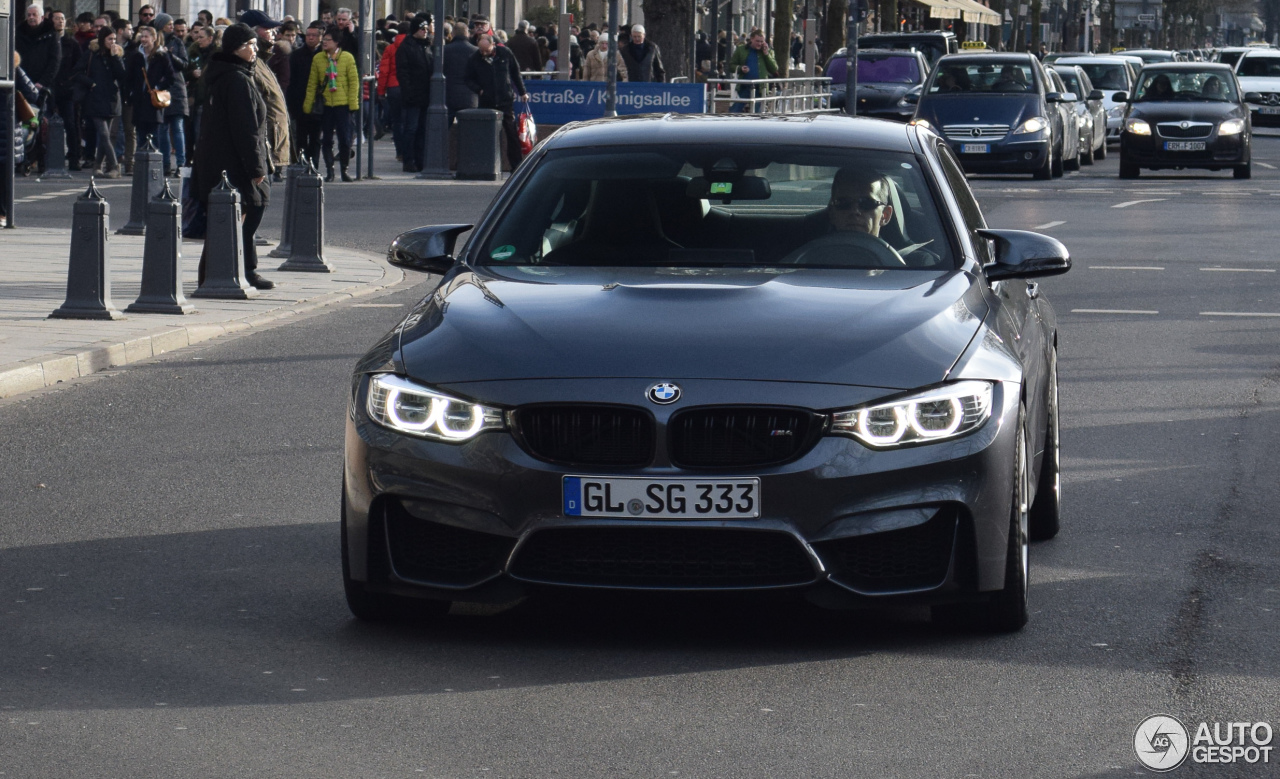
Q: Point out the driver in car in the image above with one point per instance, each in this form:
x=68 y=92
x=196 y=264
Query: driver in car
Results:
x=859 y=202
x=1212 y=89
x=860 y=205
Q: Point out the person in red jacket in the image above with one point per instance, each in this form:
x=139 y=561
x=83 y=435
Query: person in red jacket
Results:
x=389 y=89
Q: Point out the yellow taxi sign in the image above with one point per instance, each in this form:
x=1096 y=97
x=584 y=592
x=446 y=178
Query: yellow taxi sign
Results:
x=1117 y=49
x=974 y=45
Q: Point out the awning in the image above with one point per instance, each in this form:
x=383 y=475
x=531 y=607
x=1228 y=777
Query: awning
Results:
x=941 y=9
x=976 y=13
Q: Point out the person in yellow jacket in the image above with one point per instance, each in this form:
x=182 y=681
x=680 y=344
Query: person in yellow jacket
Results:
x=333 y=88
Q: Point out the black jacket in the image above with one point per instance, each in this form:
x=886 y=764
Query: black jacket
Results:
x=40 y=50
x=107 y=73
x=415 y=63
x=496 y=78
x=644 y=65
x=178 y=61
x=70 y=64
x=160 y=75
x=523 y=45
x=233 y=133
x=299 y=71
x=457 y=57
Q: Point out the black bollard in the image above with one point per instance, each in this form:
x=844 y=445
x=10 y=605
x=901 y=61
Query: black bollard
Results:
x=55 y=151
x=479 y=156
x=285 y=247
x=307 y=235
x=162 y=259
x=224 y=248
x=88 y=274
x=147 y=177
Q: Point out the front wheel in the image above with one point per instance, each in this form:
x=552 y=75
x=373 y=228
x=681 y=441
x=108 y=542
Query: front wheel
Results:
x=1045 y=171
x=1086 y=152
x=1101 y=153
x=1057 y=164
x=1127 y=169
x=1045 y=514
x=381 y=607
x=1244 y=171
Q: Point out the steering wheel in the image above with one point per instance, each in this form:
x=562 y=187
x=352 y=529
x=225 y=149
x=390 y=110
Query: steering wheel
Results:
x=851 y=249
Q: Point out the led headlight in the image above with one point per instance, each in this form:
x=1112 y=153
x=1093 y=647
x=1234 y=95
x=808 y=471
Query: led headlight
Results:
x=1033 y=125
x=1231 y=127
x=409 y=408
x=934 y=415
x=1137 y=127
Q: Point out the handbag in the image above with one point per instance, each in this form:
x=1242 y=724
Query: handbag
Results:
x=160 y=98
x=527 y=129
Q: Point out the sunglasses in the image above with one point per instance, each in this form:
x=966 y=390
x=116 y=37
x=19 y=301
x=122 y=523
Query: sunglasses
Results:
x=146 y=14
x=863 y=205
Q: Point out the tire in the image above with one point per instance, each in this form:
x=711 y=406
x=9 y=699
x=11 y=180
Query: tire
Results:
x=381 y=607
x=1127 y=169
x=1044 y=517
x=1072 y=163
x=1244 y=171
x=1006 y=610
x=1057 y=165
x=1045 y=171
x=1086 y=156
x=1101 y=153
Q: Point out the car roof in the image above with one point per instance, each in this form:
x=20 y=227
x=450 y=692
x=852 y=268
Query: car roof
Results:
x=814 y=130
x=1192 y=66
x=989 y=56
x=1084 y=59
x=1260 y=53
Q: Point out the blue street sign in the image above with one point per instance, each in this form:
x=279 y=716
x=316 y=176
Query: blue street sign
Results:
x=561 y=102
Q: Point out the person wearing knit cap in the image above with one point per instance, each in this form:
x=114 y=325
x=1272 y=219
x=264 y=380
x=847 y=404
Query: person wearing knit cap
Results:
x=233 y=138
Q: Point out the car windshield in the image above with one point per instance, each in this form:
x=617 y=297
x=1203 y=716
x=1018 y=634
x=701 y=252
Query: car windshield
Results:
x=886 y=68
x=932 y=49
x=718 y=205
x=1198 y=85
x=1259 y=66
x=1229 y=57
x=990 y=77
x=1106 y=76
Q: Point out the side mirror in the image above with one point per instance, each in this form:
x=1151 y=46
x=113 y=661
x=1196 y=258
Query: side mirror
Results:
x=427 y=249
x=1023 y=255
x=1253 y=97
x=1121 y=97
x=912 y=97
x=1097 y=95
x=1069 y=97
x=1053 y=97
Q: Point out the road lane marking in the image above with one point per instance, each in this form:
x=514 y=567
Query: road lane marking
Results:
x=1237 y=313
x=1241 y=270
x=378 y=305
x=1047 y=225
x=1109 y=311
x=1265 y=165
x=1126 y=267
x=1128 y=203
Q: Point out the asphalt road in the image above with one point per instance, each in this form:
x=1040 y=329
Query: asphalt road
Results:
x=170 y=601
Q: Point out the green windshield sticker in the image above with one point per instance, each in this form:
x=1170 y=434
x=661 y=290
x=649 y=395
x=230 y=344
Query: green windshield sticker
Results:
x=503 y=252
x=722 y=188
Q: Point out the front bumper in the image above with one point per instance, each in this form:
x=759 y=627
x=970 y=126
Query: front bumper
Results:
x=1148 y=151
x=1004 y=156
x=843 y=524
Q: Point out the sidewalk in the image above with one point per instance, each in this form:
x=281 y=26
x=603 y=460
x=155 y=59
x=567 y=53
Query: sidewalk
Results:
x=37 y=352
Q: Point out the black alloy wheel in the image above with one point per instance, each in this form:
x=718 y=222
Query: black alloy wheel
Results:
x=381 y=607
x=1045 y=515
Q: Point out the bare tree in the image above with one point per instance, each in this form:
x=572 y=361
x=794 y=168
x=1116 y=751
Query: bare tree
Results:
x=669 y=24
x=783 y=11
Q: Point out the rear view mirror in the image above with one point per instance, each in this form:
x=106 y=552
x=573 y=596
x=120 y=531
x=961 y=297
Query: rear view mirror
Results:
x=1023 y=255
x=427 y=249
x=1053 y=97
x=1097 y=95
x=1121 y=97
x=735 y=188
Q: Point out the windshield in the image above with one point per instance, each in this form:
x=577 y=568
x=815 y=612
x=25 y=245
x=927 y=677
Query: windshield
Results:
x=1107 y=76
x=714 y=205
x=1215 y=85
x=876 y=68
x=994 y=77
x=1259 y=66
x=931 y=49
x=1230 y=57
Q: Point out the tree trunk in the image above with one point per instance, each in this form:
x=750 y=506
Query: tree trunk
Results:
x=669 y=24
x=833 y=35
x=783 y=11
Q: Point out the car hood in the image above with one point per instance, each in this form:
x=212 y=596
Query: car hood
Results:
x=882 y=95
x=1259 y=83
x=1161 y=111
x=896 y=329
x=1012 y=110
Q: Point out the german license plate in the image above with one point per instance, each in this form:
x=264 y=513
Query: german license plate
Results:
x=631 y=497
x=974 y=148
x=1269 y=109
x=1184 y=145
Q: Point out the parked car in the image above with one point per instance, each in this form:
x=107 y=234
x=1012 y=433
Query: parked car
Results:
x=1186 y=115
x=884 y=78
x=1113 y=75
x=1091 y=113
x=1067 y=106
x=997 y=111
x=713 y=354
x=933 y=45
x=1258 y=71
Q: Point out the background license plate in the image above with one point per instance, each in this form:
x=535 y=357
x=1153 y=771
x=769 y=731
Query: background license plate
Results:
x=1184 y=145
x=589 y=496
x=1269 y=109
x=974 y=148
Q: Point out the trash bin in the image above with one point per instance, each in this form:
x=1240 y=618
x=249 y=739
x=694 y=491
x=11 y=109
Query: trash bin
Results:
x=479 y=158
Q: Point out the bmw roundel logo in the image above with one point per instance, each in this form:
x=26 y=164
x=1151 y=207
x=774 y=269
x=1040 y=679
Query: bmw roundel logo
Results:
x=664 y=393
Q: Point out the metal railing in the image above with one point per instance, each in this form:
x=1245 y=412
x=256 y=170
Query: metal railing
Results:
x=808 y=95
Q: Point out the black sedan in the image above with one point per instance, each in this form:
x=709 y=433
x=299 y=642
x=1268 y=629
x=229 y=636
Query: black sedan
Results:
x=701 y=353
x=1186 y=115
x=889 y=82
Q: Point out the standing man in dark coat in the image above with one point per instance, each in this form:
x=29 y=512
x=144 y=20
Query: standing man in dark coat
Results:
x=642 y=58
x=39 y=47
x=457 y=58
x=525 y=47
x=70 y=64
x=492 y=73
x=414 y=65
x=306 y=126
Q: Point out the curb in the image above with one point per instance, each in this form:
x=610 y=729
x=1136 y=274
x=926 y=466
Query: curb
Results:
x=39 y=372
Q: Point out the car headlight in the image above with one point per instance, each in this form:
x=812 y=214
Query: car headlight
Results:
x=934 y=415
x=922 y=123
x=1231 y=127
x=409 y=408
x=1033 y=125
x=1137 y=127
x=1115 y=112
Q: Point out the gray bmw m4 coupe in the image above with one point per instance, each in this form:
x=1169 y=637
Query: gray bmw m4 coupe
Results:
x=712 y=353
